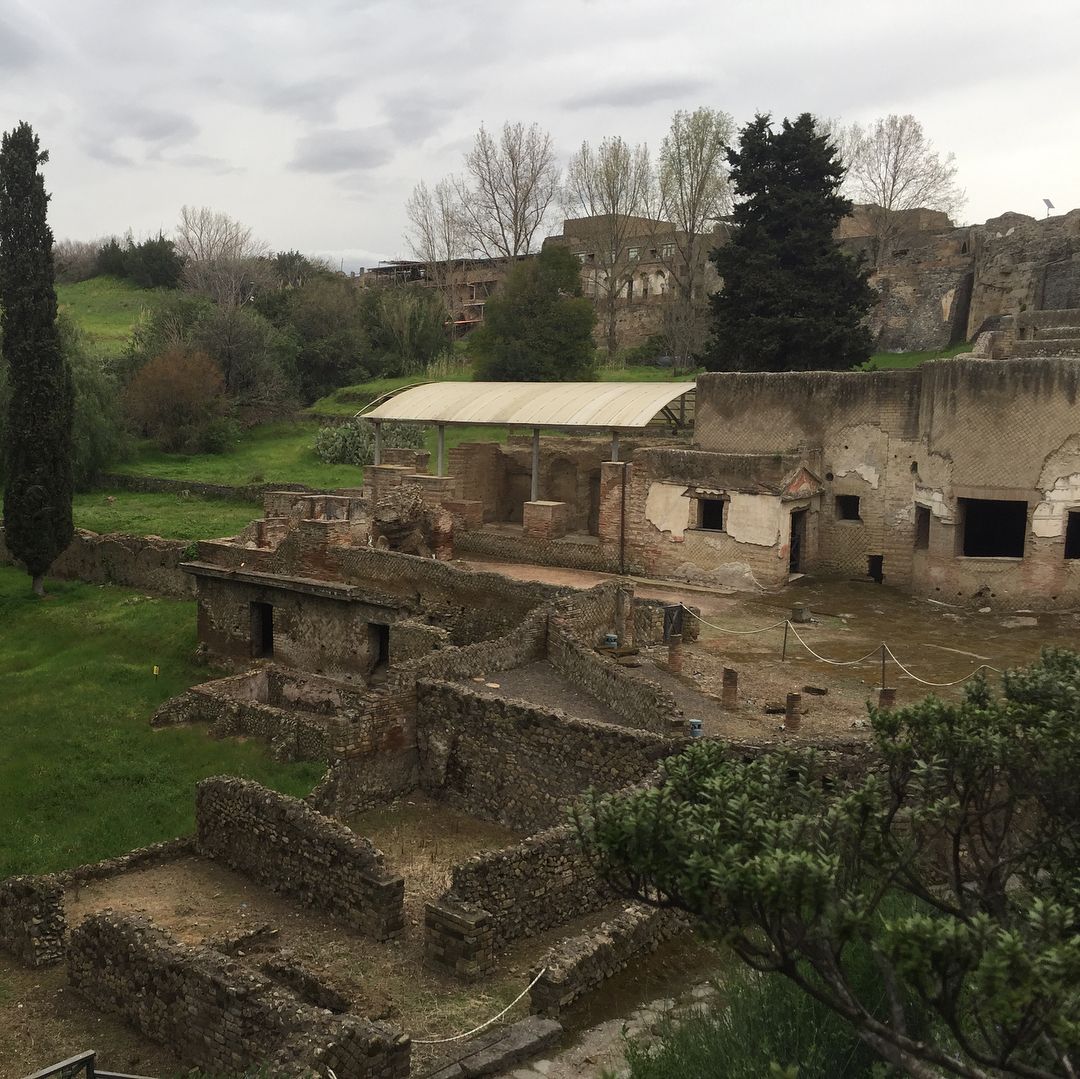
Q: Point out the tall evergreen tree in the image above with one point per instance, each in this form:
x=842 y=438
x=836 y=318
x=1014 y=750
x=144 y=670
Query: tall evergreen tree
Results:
x=38 y=465
x=792 y=300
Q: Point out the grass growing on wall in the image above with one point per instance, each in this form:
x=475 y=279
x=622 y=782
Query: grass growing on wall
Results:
x=106 y=308
x=82 y=775
x=890 y=361
x=173 y=516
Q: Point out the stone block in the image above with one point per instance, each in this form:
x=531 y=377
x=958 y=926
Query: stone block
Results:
x=544 y=520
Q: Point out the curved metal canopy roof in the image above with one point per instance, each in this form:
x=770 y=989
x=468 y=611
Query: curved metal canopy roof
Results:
x=610 y=405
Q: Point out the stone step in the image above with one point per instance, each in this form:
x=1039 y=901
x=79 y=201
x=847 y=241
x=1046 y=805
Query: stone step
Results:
x=1062 y=316
x=1056 y=333
x=1047 y=347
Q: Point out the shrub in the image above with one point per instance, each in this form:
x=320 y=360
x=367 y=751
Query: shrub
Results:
x=353 y=443
x=177 y=399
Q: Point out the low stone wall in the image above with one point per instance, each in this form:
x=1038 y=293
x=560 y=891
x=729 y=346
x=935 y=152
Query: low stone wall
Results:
x=501 y=896
x=252 y=492
x=517 y=547
x=145 y=562
x=167 y=850
x=578 y=965
x=32 y=923
x=290 y=847
x=218 y=1015
x=508 y=761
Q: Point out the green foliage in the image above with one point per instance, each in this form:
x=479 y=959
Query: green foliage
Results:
x=182 y=516
x=974 y=814
x=83 y=776
x=332 y=334
x=762 y=1025
x=151 y=263
x=792 y=299
x=353 y=443
x=38 y=454
x=539 y=327
x=408 y=330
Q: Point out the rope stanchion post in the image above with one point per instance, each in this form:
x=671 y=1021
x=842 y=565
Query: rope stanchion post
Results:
x=793 y=712
x=783 y=650
x=883 y=667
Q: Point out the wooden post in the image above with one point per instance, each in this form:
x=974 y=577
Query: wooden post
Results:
x=535 y=489
x=793 y=712
x=730 y=698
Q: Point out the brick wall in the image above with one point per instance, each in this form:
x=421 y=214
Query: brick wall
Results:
x=290 y=847
x=511 y=762
x=32 y=923
x=217 y=1015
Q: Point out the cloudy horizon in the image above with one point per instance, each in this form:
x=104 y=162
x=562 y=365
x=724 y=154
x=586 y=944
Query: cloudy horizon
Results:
x=312 y=125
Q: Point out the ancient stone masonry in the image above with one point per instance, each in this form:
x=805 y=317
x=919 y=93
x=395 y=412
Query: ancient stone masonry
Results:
x=522 y=766
x=145 y=562
x=32 y=924
x=290 y=847
x=575 y=967
x=218 y=1015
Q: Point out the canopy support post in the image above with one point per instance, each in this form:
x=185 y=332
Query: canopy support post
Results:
x=614 y=445
x=378 y=444
x=535 y=464
x=441 y=458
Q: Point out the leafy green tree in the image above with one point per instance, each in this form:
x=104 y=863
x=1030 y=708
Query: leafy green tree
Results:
x=791 y=298
x=153 y=263
x=970 y=811
x=327 y=319
x=410 y=328
x=539 y=326
x=38 y=459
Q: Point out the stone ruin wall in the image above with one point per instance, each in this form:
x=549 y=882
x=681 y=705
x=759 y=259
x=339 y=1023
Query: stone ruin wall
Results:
x=290 y=847
x=148 y=563
x=519 y=765
x=32 y=922
x=218 y=1015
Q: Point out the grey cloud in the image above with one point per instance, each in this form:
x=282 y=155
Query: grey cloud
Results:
x=18 y=50
x=161 y=127
x=634 y=94
x=341 y=150
x=412 y=117
x=312 y=99
x=102 y=151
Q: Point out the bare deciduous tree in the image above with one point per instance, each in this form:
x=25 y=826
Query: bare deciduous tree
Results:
x=613 y=186
x=507 y=189
x=435 y=234
x=694 y=195
x=223 y=259
x=894 y=167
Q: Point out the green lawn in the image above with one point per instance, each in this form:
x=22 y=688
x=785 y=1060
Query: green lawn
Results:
x=106 y=308
x=889 y=361
x=173 y=516
x=82 y=775
x=271 y=453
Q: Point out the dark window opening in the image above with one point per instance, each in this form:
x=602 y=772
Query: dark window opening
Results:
x=922 y=528
x=379 y=638
x=992 y=528
x=847 y=508
x=798 y=541
x=1072 y=534
x=711 y=514
x=262 y=630
x=875 y=567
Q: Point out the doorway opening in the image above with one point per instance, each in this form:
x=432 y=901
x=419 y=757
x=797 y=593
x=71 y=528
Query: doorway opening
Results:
x=875 y=567
x=379 y=645
x=922 y=528
x=797 y=545
x=262 y=630
x=1072 y=534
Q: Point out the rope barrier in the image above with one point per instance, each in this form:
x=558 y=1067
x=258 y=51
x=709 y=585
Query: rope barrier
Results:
x=482 y=1026
x=838 y=662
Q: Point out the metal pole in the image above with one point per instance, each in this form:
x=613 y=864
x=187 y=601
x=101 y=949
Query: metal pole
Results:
x=442 y=449
x=783 y=654
x=614 y=445
x=535 y=464
x=883 y=665
x=378 y=443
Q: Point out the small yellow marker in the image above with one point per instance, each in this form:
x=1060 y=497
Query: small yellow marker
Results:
x=157 y=670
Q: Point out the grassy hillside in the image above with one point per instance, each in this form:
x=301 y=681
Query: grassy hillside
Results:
x=174 y=516
x=83 y=776
x=106 y=308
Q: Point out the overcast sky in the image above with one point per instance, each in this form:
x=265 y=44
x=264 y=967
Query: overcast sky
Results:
x=312 y=121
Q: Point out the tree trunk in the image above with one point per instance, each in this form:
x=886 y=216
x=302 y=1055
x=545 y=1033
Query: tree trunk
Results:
x=612 y=341
x=39 y=584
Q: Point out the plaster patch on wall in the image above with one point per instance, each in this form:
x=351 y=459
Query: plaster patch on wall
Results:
x=934 y=500
x=1063 y=462
x=860 y=450
x=754 y=519
x=867 y=472
x=1048 y=520
x=946 y=305
x=667 y=507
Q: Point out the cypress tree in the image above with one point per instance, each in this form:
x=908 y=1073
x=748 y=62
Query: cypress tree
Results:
x=38 y=462
x=792 y=299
